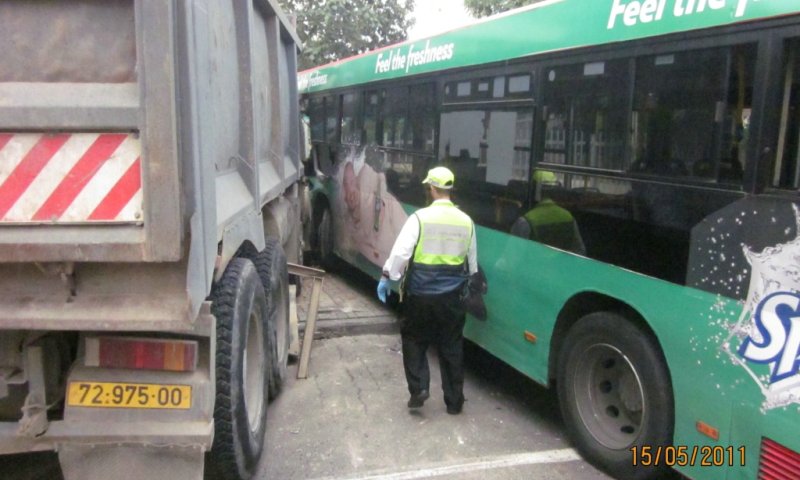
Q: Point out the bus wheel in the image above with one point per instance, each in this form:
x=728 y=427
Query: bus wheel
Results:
x=272 y=269
x=242 y=371
x=325 y=239
x=615 y=393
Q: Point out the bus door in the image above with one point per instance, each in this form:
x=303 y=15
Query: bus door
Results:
x=324 y=125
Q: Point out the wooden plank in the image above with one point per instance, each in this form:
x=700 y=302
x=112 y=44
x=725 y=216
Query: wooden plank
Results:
x=311 y=323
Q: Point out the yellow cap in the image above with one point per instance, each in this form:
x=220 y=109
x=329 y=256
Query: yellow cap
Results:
x=440 y=177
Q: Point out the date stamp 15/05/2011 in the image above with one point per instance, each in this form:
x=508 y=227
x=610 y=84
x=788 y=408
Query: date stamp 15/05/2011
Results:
x=683 y=456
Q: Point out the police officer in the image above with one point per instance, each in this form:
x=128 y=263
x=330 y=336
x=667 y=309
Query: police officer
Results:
x=438 y=245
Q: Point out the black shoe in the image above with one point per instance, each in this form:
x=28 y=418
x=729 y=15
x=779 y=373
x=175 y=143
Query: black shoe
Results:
x=454 y=410
x=417 y=400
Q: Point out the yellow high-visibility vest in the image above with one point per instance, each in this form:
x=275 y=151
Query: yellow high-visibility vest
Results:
x=439 y=261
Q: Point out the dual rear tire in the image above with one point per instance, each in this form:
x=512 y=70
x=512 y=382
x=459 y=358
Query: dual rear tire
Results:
x=251 y=305
x=242 y=372
x=272 y=270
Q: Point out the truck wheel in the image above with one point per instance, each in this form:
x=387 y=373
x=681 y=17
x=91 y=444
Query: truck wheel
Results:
x=242 y=371
x=615 y=393
x=272 y=269
x=325 y=239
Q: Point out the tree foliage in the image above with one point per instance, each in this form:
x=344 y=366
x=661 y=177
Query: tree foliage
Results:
x=334 y=29
x=484 y=8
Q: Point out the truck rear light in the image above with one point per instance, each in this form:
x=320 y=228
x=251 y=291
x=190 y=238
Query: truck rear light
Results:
x=778 y=462
x=141 y=353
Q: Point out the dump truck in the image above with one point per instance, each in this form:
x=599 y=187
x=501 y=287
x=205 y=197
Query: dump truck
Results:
x=149 y=203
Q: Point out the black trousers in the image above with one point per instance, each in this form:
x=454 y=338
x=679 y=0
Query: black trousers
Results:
x=438 y=321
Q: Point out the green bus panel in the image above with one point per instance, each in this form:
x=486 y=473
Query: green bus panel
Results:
x=692 y=327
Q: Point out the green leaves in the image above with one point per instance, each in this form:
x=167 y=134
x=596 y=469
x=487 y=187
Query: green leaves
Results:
x=335 y=29
x=485 y=8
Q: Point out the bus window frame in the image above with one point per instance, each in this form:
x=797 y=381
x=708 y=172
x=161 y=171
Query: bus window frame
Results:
x=649 y=48
x=332 y=100
x=775 y=51
x=364 y=93
x=489 y=73
x=358 y=116
x=381 y=111
x=757 y=173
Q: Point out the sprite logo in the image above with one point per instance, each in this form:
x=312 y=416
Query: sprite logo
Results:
x=777 y=321
x=769 y=324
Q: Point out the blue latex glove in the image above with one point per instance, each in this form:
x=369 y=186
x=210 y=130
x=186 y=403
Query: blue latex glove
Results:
x=383 y=289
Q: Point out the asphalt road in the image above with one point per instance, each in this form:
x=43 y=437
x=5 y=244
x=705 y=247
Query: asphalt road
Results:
x=349 y=420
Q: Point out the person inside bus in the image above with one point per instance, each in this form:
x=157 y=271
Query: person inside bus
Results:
x=547 y=222
x=438 y=245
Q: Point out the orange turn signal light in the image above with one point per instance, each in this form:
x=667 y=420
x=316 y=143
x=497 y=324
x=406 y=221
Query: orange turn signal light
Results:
x=707 y=430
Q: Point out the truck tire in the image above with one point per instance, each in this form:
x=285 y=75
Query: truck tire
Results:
x=325 y=240
x=615 y=393
x=272 y=269
x=242 y=372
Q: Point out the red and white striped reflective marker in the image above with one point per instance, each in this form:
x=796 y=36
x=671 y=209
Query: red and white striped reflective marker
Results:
x=68 y=178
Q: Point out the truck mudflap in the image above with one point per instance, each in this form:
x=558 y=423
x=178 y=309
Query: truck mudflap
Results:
x=151 y=462
x=95 y=434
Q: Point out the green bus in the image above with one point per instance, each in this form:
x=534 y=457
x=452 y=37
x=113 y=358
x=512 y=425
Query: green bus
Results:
x=632 y=167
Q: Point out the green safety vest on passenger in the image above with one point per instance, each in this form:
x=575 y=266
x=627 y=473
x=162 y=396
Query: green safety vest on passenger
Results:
x=439 y=264
x=554 y=226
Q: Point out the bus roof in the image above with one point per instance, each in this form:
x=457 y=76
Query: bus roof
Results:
x=548 y=26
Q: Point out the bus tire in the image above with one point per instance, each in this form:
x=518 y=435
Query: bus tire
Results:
x=272 y=269
x=615 y=393
x=325 y=239
x=242 y=372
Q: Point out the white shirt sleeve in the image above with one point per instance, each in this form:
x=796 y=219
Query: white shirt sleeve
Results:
x=403 y=249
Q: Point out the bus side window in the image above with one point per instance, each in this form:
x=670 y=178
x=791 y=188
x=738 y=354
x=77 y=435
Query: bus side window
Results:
x=372 y=132
x=489 y=153
x=350 y=128
x=319 y=150
x=585 y=114
x=331 y=120
x=690 y=114
x=421 y=117
x=324 y=118
x=316 y=113
x=395 y=113
x=786 y=173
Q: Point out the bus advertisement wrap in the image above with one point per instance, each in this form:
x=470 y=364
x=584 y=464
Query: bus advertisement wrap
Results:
x=770 y=321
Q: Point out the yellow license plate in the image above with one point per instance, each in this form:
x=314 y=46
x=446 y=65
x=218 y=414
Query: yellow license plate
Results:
x=129 y=395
